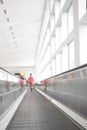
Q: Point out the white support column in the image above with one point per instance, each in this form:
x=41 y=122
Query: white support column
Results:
x=76 y=32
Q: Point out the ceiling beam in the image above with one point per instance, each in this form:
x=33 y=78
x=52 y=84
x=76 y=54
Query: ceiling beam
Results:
x=10 y=24
x=18 y=40
x=19 y=67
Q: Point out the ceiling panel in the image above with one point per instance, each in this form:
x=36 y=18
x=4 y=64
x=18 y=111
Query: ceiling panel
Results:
x=20 y=22
x=6 y=34
x=24 y=9
x=27 y=29
x=2 y=40
x=3 y=16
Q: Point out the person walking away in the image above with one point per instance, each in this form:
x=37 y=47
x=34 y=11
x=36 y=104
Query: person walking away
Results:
x=31 y=81
x=21 y=83
x=45 y=81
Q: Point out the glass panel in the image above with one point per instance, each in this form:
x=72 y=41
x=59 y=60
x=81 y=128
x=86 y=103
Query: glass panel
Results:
x=53 y=45
x=82 y=8
x=58 y=64
x=57 y=11
x=71 y=55
x=65 y=59
x=57 y=38
x=70 y=88
x=52 y=23
x=53 y=67
x=64 y=27
x=70 y=18
x=83 y=44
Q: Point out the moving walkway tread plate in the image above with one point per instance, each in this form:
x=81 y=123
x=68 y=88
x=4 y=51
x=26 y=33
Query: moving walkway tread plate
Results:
x=37 y=113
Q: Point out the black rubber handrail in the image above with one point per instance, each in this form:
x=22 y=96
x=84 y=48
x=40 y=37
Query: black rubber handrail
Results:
x=71 y=70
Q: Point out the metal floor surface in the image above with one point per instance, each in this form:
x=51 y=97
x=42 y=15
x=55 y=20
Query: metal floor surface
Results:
x=37 y=113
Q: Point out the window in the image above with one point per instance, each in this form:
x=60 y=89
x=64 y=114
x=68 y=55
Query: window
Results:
x=58 y=63
x=53 y=48
x=65 y=59
x=57 y=38
x=71 y=55
x=52 y=23
x=64 y=27
x=57 y=11
x=83 y=44
x=82 y=8
x=53 y=67
x=70 y=18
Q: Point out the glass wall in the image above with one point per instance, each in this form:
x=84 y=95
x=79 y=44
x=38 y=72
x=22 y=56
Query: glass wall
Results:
x=9 y=90
x=64 y=59
x=60 y=37
x=58 y=63
x=71 y=55
x=57 y=37
x=70 y=18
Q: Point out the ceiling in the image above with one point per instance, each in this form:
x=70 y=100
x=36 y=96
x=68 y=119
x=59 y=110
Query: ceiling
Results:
x=20 y=22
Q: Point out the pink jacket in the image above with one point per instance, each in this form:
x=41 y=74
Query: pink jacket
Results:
x=21 y=81
x=30 y=80
x=45 y=81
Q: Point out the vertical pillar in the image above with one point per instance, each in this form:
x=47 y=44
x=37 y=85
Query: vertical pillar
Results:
x=76 y=32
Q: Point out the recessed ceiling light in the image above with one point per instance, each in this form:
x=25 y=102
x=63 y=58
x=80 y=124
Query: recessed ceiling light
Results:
x=1 y=1
x=5 y=12
x=10 y=28
x=8 y=19
x=12 y=33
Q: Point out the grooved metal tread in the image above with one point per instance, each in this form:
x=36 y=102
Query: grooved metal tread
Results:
x=37 y=113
